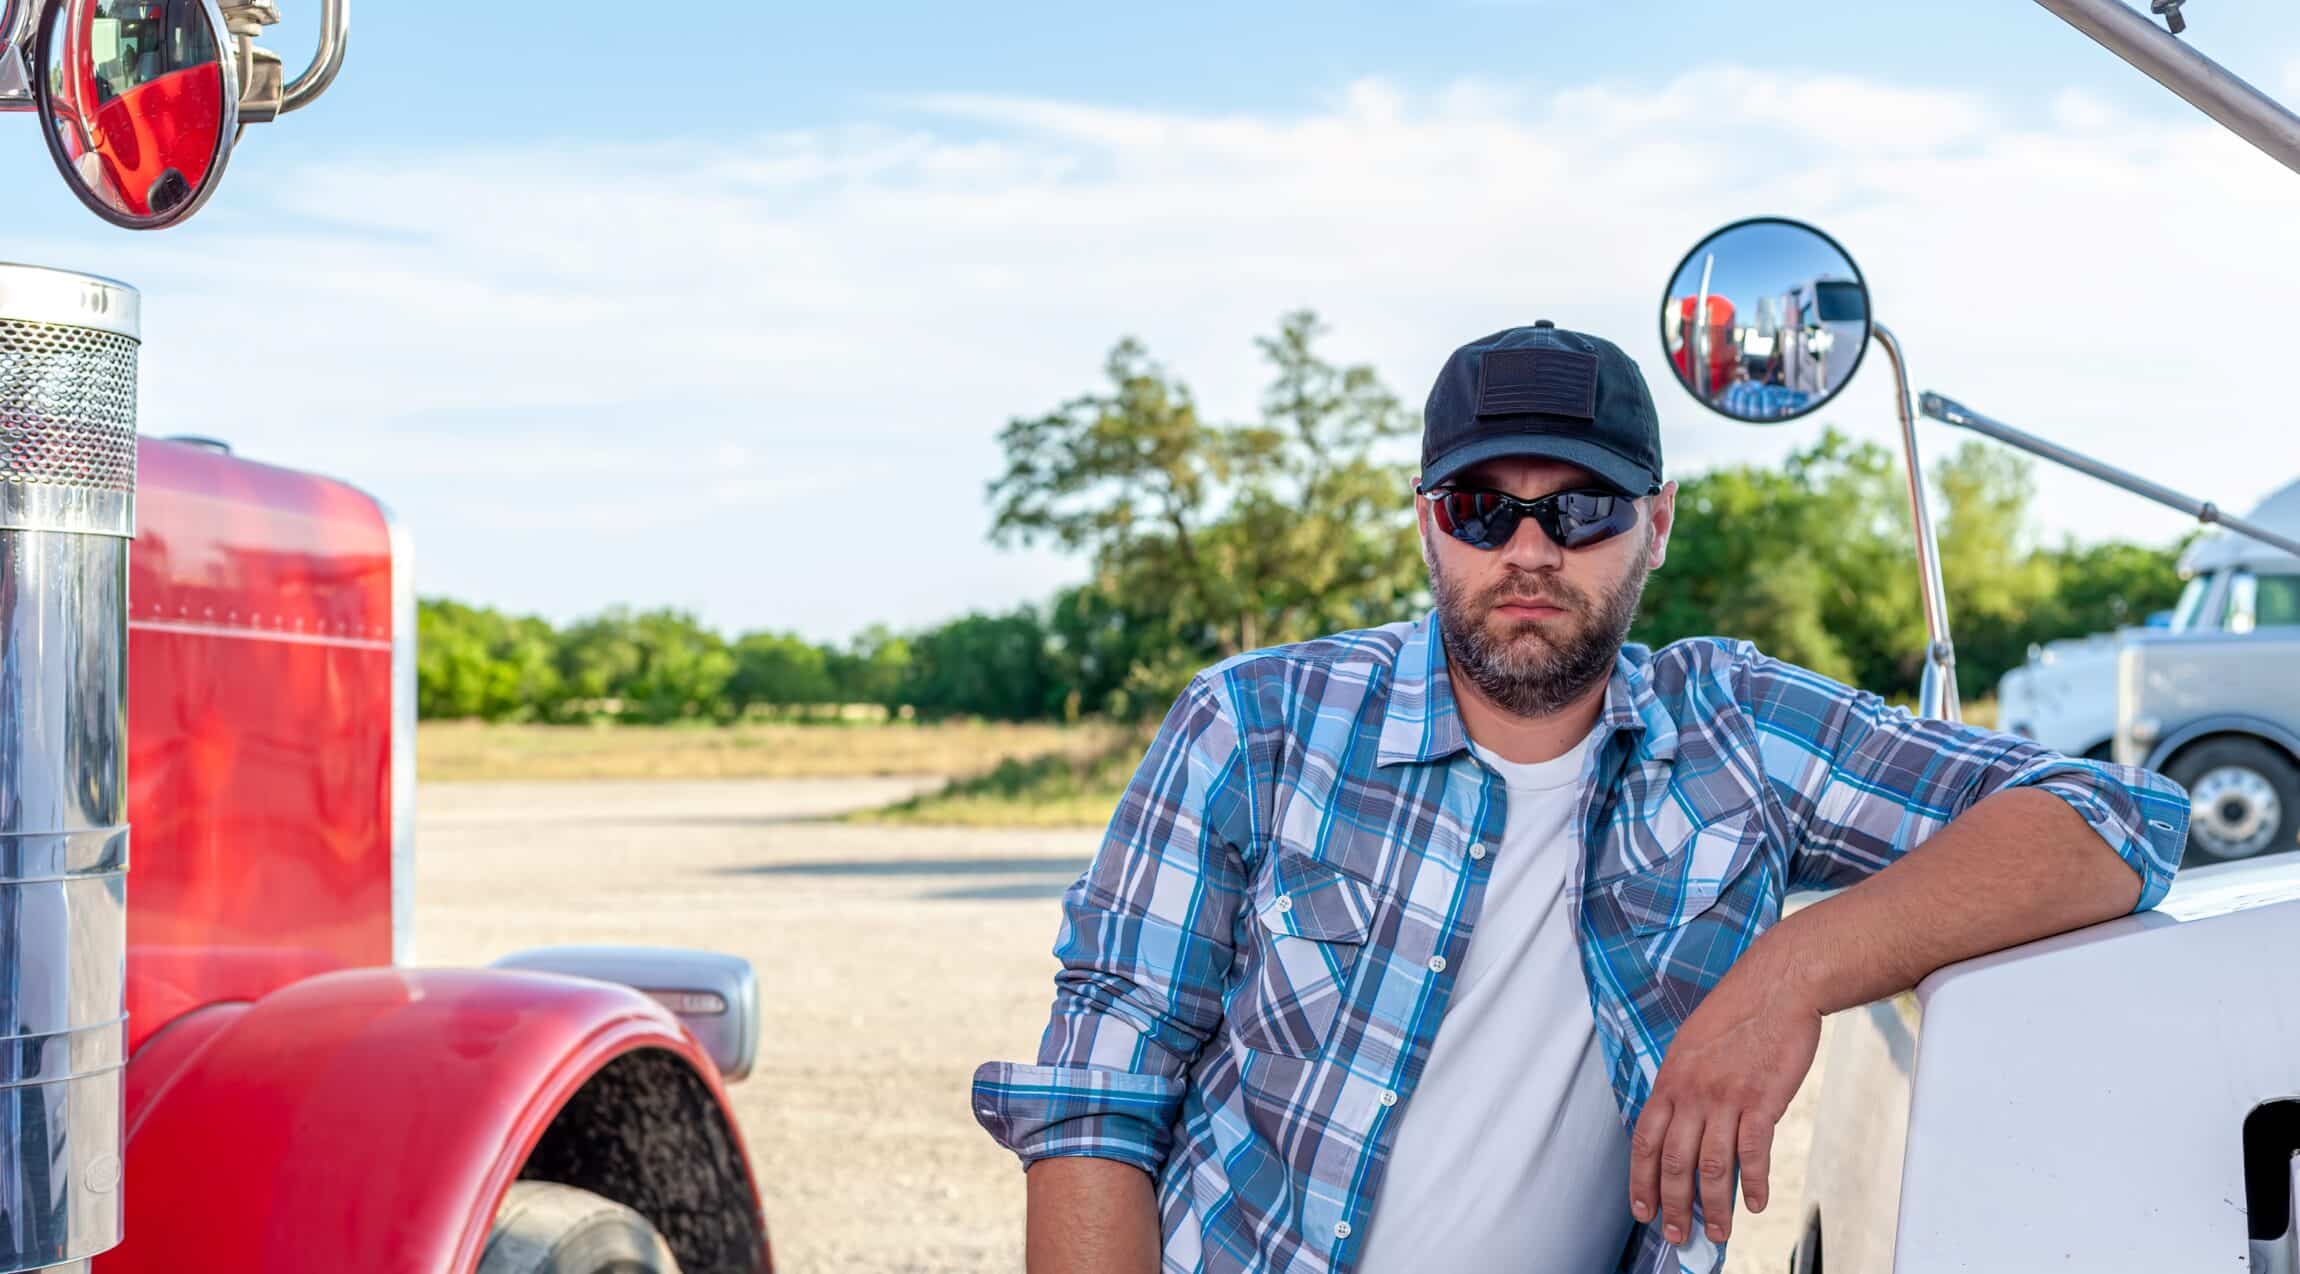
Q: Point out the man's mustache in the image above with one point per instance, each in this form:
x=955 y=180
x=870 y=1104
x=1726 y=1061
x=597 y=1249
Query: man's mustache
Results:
x=1517 y=595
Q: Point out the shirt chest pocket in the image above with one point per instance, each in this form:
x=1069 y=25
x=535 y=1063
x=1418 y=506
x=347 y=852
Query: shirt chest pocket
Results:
x=1296 y=951
x=1690 y=879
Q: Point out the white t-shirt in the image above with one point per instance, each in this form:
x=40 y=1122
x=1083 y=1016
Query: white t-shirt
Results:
x=1512 y=1155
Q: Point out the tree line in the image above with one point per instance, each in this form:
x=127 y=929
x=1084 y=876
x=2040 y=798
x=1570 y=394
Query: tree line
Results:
x=1204 y=538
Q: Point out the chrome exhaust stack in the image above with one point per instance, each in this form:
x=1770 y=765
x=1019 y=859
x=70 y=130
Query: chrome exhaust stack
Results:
x=68 y=346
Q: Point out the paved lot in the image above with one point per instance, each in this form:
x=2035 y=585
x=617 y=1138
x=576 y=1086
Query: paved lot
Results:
x=891 y=961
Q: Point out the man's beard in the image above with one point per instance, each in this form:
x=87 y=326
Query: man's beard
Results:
x=1534 y=669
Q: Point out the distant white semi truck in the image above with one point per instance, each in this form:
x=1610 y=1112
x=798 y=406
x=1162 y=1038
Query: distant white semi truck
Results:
x=2214 y=694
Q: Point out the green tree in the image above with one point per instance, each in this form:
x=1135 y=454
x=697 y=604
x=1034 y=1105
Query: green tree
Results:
x=1110 y=655
x=472 y=662
x=1235 y=536
x=649 y=666
x=2107 y=586
x=779 y=670
x=871 y=668
x=980 y=665
x=1999 y=586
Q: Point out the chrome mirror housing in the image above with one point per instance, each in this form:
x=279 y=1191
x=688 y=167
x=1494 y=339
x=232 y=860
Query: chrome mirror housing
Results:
x=138 y=103
x=1765 y=320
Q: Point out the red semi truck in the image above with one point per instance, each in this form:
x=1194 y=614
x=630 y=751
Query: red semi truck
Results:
x=224 y=1059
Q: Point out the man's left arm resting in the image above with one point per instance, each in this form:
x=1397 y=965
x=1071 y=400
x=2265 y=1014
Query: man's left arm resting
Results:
x=2058 y=845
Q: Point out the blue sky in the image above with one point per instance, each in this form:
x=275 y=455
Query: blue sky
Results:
x=606 y=332
x=1759 y=260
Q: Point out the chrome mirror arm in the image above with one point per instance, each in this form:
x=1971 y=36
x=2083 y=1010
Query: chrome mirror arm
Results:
x=2200 y=81
x=1937 y=688
x=327 y=60
x=1951 y=412
x=266 y=92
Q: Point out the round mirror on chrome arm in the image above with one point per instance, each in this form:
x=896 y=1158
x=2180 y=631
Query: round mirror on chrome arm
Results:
x=139 y=101
x=1765 y=320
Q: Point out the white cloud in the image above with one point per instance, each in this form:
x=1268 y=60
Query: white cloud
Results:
x=763 y=378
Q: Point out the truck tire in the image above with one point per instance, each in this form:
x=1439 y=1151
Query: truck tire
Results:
x=2246 y=799
x=547 y=1228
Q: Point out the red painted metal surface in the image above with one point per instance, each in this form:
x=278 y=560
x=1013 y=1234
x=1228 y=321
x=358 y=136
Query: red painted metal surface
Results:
x=289 y=1106
x=363 y=1122
x=259 y=706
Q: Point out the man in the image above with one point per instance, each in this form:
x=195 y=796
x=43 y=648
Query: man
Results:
x=1457 y=945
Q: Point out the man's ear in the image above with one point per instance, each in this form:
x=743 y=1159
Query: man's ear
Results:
x=1663 y=512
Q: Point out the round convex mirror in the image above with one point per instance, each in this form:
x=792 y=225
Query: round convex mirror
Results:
x=139 y=100
x=1765 y=320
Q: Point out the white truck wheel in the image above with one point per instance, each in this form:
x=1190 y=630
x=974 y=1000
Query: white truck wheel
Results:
x=2245 y=797
x=547 y=1228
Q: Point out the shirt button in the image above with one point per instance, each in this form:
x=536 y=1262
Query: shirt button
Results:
x=1341 y=1229
x=1477 y=850
x=1285 y=902
x=1437 y=964
x=1389 y=1098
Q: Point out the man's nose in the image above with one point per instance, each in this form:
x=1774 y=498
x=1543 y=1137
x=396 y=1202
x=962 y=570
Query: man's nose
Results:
x=1531 y=548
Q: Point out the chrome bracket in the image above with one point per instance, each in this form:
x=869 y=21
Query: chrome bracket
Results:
x=266 y=93
x=15 y=66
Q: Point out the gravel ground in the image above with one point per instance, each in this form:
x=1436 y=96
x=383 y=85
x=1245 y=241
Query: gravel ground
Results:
x=891 y=960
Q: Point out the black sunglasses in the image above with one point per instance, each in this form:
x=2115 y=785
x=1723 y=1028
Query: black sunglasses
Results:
x=1573 y=519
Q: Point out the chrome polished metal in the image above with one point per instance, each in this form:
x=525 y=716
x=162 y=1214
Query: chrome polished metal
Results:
x=326 y=62
x=2235 y=811
x=713 y=994
x=67 y=490
x=67 y=298
x=67 y=402
x=1937 y=688
x=402 y=738
x=262 y=81
x=15 y=64
x=2197 y=79
x=15 y=21
x=1951 y=412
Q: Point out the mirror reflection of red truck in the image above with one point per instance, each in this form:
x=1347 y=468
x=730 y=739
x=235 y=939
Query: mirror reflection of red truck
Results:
x=140 y=103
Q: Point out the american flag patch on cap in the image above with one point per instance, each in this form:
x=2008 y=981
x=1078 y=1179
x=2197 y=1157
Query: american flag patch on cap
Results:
x=1553 y=382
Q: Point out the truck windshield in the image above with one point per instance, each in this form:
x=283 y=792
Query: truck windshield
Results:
x=135 y=42
x=2276 y=604
x=2191 y=601
x=1839 y=302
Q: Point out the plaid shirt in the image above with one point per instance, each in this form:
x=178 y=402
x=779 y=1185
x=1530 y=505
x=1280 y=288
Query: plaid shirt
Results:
x=1754 y=400
x=1256 y=962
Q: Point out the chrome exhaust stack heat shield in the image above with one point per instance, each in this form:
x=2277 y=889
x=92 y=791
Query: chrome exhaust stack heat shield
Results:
x=68 y=346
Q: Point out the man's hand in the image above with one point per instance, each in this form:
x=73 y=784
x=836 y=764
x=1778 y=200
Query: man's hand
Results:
x=2018 y=865
x=1728 y=1077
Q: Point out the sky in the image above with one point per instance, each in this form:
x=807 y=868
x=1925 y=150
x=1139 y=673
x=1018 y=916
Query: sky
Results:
x=606 y=321
x=1757 y=260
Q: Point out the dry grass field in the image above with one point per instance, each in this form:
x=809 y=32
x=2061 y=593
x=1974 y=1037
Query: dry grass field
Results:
x=466 y=751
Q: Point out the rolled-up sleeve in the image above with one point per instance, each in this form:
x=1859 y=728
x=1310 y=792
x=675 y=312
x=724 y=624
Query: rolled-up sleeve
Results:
x=1145 y=947
x=2142 y=815
x=1860 y=783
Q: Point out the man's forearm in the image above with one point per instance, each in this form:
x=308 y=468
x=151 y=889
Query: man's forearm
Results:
x=2018 y=866
x=1091 y=1216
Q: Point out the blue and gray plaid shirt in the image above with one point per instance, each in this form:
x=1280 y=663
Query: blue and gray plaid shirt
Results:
x=1256 y=962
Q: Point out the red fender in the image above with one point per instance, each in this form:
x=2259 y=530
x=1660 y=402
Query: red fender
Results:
x=369 y=1121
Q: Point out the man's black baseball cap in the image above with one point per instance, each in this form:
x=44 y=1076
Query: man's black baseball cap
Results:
x=1543 y=391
